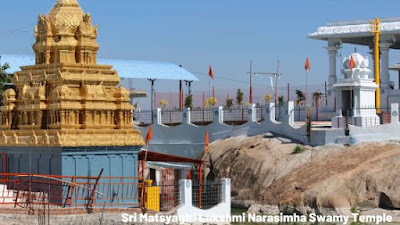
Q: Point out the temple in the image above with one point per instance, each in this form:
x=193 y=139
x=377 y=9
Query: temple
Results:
x=66 y=106
x=359 y=33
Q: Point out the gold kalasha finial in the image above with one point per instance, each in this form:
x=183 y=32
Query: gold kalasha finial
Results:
x=67 y=3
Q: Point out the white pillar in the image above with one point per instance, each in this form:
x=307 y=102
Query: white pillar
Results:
x=357 y=111
x=252 y=113
x=270 y=112
x=185 y=192
x=394 y=113
x=157 y=116
x=226 y=191
x=290 y=113
x=333 y=47
x=385 y=77
x=186 y=116
x=218 y=114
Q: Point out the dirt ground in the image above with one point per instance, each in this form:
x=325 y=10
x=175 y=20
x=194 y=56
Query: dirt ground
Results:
x=66 y=216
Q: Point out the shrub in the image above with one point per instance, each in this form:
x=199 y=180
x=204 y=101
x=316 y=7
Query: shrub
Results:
x=189 y=101
x=229 y=103
x=298 y=149
x=239 y=97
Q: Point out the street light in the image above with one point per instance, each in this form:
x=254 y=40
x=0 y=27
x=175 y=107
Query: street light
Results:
x=275 y=75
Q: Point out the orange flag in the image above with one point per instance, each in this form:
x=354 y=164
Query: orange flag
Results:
x=210 y=73
x=307 y=66
x=207 y=142
x=352 y=63
x=149 y=135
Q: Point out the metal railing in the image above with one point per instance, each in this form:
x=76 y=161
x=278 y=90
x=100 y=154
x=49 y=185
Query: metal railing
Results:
x=260 y=113
x=384 y=115
x=279 y=112
x=35 y=190
x=171 y=117
x=162 y=197
x=235 y=116
x=299 y=116
x=143 y=118
x=207 y=195
x=201 y=116
x=169 y=197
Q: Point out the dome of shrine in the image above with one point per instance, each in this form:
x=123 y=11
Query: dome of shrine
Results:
x=65 y=17
x=360 y=69
x=359 y=61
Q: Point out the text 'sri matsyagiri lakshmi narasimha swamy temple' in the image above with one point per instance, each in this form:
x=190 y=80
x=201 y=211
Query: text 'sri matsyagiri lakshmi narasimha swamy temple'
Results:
x=66 y=115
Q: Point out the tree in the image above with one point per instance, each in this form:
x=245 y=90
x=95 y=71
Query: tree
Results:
x=239 y=97
x=4 y=78
x=298 y=102
x=281 y=101
x=316 y=96
x=189 y=101
x=268 y=98
x=229 y=103
x=300 y=97
x=210 y=102
x=163 y=103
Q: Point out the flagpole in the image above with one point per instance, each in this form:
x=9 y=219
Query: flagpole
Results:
x=209 y=87
x=251 y=91
x=351 y=66
x=351 y=87
x=204 y=100
x=307 y=68
x=306 y=98
x=213 y=96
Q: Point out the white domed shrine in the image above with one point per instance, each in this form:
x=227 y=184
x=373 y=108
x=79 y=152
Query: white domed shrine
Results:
x=355 y=95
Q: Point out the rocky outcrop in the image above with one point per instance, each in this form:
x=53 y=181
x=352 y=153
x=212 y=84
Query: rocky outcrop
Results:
x=327 y=179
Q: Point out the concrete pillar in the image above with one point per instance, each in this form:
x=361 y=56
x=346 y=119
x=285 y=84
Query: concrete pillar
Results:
x=218 y=115
x=158 y=177
x=290 y=113
x=186 y=116
x=384 y=74
x=152 y=94
x=356 y=107
x=226 y=190
x=333 y=47
x=185 y=192
x=270 y=112
x=394 y=113
x=157 y=116
x=252 y=113
x=399 y=79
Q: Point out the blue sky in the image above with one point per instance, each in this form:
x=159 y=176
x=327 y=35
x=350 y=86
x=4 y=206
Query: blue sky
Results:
x=226 y=34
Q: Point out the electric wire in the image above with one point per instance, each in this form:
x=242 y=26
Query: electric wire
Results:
x=245 y=82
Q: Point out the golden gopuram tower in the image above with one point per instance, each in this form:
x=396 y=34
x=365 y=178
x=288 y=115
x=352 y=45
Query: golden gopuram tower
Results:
x=66 y=99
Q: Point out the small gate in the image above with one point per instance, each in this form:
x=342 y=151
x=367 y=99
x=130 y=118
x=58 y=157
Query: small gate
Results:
x=168 y=189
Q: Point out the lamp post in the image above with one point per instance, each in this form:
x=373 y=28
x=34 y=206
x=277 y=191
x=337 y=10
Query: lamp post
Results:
x=152 y=96
x=276 y=76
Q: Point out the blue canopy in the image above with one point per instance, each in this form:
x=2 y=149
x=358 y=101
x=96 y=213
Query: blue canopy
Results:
x=136 y=69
